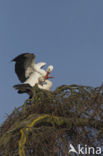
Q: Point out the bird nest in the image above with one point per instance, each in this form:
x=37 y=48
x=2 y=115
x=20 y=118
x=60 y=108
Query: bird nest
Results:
x=49 y=122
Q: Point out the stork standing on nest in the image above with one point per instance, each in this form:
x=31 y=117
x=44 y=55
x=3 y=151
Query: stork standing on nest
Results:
x=28 y=72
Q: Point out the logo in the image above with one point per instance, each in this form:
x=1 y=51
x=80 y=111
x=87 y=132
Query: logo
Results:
x=72 y=149
x=85 y=150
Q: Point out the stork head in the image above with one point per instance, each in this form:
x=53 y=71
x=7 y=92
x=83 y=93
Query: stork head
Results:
x=50 y=68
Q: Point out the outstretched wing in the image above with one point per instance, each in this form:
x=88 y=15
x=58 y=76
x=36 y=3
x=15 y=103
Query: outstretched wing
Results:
x=24 y=66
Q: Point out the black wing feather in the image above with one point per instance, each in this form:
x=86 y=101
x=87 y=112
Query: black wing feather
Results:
x=24 y=88
x=23 y=61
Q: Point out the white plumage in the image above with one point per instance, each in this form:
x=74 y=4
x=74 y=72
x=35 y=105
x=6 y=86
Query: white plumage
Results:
x=31 y=73
x=38 y=76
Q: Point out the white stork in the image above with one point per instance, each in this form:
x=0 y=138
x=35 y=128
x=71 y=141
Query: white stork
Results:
x=28 y=72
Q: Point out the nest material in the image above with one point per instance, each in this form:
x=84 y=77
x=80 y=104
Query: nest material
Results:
x=48 y=122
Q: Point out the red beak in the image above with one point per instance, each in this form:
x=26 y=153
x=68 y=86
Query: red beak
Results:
x=47 y=76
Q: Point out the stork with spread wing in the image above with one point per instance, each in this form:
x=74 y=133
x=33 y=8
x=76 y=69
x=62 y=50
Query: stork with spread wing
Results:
x=28 y=72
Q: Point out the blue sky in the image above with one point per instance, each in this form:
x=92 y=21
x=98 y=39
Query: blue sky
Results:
x=65 y=33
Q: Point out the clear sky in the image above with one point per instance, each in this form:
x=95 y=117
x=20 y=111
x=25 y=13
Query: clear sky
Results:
x=65 y=33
